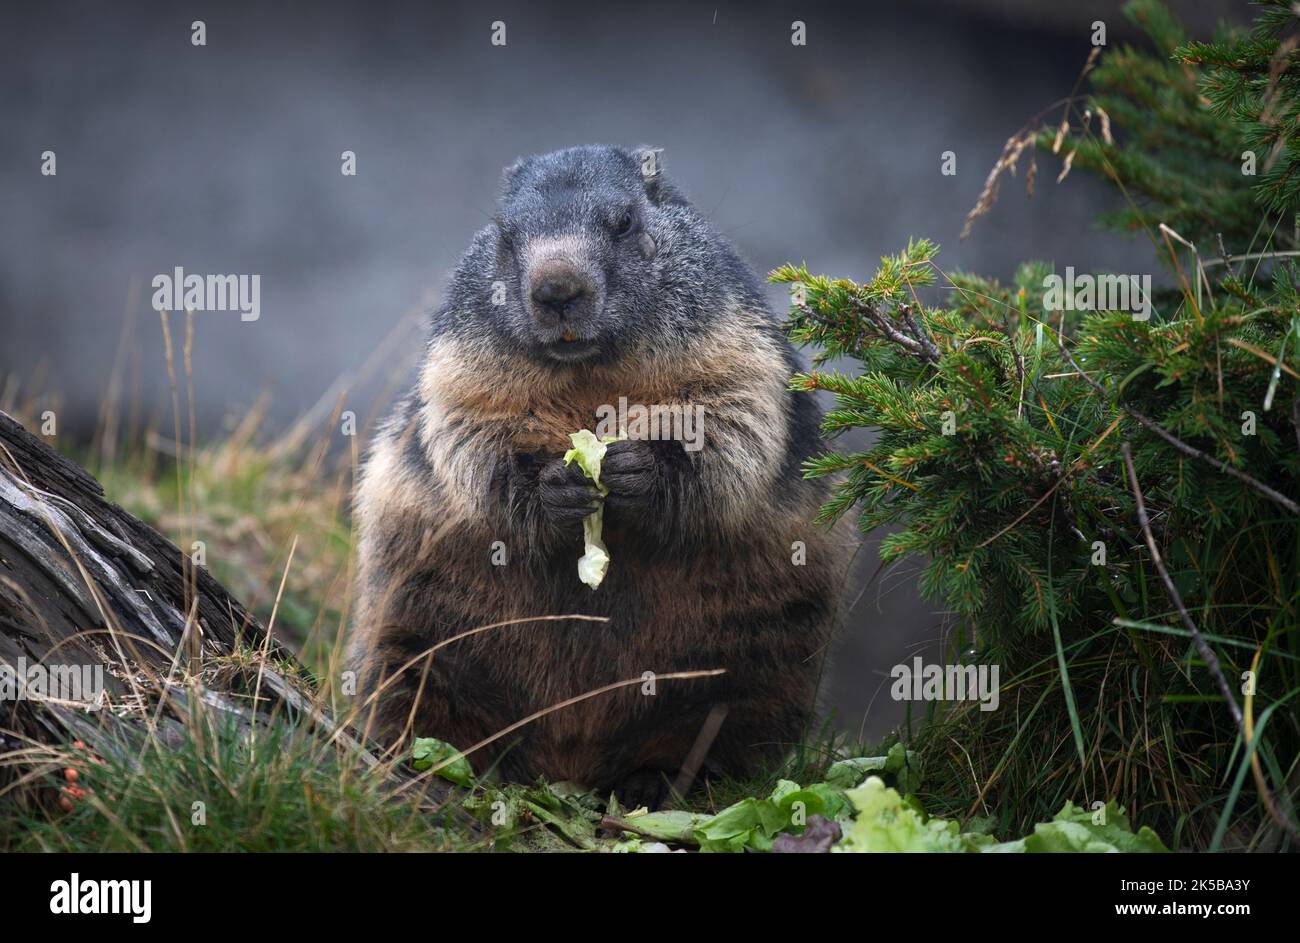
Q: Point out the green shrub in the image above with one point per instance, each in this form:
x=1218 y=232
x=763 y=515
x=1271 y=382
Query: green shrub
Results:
x=998 y=458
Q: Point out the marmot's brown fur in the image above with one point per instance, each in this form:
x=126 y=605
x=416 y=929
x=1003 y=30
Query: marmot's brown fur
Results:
x=597 y=281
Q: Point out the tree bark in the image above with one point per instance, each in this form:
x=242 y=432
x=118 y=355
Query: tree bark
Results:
x=84 y=583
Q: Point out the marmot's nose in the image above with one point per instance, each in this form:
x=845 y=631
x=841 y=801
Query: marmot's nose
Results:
x=557 y=292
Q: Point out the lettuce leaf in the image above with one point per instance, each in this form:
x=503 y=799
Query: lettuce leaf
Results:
x=885 y=822
x=588 y=451
x=1074 y=829
x=753 y=824
x=426 y=751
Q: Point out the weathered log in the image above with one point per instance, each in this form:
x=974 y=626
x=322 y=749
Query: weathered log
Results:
x=84 y=583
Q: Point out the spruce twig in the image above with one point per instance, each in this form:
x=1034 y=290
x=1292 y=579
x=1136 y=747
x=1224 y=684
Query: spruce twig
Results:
x=1189 y=450
x=927 y=346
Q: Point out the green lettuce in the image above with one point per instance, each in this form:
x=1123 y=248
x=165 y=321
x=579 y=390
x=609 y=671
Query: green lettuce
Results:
x=753 y=824
x=902 y=764
x=588 y=451
x=886 y=822
x=428 y=751
x=1075 y=829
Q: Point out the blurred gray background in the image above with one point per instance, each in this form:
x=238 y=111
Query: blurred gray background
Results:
x=226 y=158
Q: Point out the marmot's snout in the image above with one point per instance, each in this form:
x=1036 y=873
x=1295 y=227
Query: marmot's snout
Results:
x=564 y=290
x=561 y=295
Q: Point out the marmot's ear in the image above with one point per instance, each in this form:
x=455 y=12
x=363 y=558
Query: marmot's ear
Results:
x=508 y=172
x=651 y=162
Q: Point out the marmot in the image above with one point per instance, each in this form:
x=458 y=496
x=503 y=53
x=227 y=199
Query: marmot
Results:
x=597 y=282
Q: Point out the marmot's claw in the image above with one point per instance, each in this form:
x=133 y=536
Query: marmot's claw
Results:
x=630 y=471
x=626 y=455
x=566 y=493
x=642 y=787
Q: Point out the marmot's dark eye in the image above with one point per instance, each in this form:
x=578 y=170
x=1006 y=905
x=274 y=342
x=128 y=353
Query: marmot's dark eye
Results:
x=507 y=240
x=625 y=224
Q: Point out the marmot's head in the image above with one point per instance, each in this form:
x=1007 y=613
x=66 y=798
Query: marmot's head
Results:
x=594 y=255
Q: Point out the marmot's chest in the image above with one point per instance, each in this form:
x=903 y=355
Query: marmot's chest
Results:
x=545 y=426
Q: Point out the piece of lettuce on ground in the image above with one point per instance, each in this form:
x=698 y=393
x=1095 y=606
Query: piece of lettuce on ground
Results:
x=672 y=826
x=901 y=765
x=515 y=810
x=817 y=839
x=426 y=751
x=886 y=822
x=753 y=824
x=1079 y=830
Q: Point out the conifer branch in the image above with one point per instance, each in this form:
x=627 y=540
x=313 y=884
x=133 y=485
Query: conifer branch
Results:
x=1189 y=450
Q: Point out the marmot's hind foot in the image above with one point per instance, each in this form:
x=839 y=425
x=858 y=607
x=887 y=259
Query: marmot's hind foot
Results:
x=642 y=787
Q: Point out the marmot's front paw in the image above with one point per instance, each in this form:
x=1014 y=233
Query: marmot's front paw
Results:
x=630 y=471
x=566 y=493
